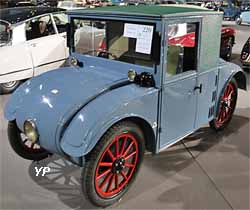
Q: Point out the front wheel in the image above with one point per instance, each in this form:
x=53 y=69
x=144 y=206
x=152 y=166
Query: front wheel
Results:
x=113 y=164
x=227 y=106
x=9 y=87
x=22 y=146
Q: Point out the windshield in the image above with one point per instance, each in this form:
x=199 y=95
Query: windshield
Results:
x=116 y=40
x=4 y=33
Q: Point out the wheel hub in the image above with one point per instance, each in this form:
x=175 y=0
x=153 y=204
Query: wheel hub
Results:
x=118 y=165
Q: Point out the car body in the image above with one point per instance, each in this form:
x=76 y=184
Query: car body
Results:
x=140 y=91
x=245 y=54
x=231 y=12
x=244 y=17
x=34 y=52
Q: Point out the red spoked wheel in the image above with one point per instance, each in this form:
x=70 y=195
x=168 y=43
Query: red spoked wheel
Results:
x=116 y=165
x=226 y=107
x=22 y=146
x=113 y=164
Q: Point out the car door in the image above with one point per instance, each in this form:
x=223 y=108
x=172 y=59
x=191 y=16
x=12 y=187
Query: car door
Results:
x=16 y=61
x=60 y=20
x=179 y=90
x=46 y=45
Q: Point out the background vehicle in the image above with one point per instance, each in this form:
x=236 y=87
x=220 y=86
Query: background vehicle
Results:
x=227 y=42
x=141 y=92
x=231 y=12
x=36 y=43
x=69 y=5
x=244 y=17
x=245 y=55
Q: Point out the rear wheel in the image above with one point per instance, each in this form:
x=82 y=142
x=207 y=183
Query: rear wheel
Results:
x=227 y=106
x=22 y=146
x=113 y=164
x=9 y=87
x=238 y=20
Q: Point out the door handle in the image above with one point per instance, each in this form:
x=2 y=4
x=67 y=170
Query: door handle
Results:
x=198 y=88
x=33 y=44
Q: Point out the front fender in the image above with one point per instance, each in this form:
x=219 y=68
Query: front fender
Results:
x=90 y=123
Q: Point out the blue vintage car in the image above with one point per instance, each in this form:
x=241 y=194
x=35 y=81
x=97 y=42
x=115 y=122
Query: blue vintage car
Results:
x=243 y=18
x=231 y=12
x=137 y=88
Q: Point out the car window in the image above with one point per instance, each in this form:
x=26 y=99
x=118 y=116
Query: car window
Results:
x=39 y=27
x=4 y=33
x=60 y=20
x=182 y=48
x=116 y=40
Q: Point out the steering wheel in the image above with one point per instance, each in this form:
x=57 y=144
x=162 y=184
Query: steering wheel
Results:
x=106 y=54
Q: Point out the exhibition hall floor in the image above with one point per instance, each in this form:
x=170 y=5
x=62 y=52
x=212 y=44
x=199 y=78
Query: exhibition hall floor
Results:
x=206 y=170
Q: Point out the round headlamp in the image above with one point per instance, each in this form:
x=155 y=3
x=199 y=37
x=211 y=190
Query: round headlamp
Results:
x=131 y=75
x=30 y=131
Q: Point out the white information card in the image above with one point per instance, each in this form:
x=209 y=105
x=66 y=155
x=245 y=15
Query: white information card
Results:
x=143 y=35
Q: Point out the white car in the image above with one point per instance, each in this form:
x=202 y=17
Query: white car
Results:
x=32 y=41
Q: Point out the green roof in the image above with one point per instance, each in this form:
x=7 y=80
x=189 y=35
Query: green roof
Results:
x=145 y=10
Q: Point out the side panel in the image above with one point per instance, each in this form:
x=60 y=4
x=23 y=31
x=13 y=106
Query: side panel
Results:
x=47 y=52
x=206 y=99
x=94 y=119
x=210 y=42
x=16 y=62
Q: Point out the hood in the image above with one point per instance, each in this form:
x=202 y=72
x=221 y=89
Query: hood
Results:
x=61 y=90
x=52 y=98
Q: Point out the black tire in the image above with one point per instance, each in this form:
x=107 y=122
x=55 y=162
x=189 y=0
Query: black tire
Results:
x=215 y=124
x=6 y=88
x=19 y=146
x=90 y=170
x=238 y=21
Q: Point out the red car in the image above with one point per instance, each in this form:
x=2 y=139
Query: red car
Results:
x=227 y=41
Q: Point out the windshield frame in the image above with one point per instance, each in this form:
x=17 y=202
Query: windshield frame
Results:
x=156 y=23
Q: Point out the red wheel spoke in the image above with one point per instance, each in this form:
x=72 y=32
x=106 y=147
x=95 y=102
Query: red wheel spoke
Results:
x=129 y=156
x=106 y=180
x=129 y=147
x=111 y=181
x=111 y=154
x=129 y=165
x=124 y=176
x=123 y=146
x=106 y=164
x=103 y=174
